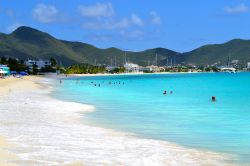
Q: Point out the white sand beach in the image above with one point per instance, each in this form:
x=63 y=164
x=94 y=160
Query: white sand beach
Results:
x=7 y=86
x=47 y=131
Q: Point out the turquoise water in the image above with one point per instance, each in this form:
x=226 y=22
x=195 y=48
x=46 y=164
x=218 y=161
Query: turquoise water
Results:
x=187 y=116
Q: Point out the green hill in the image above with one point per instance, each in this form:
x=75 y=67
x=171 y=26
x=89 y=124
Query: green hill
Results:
x=28 y=43
x=236 y=49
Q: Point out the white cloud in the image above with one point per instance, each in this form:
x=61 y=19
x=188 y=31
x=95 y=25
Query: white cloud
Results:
x=123 y=35
x=123 y=23
x=102 y=16
x=241 y=8
x=46 y=14
x=155 y=18
x=107 y=24
x=114 y=24
x=14 y=26
x=132 y=35
x=136 y=20
x=97 y=10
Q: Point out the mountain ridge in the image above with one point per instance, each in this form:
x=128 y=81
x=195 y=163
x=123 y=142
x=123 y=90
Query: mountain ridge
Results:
x=26 y=42
x=29 y=43
x=235 y=49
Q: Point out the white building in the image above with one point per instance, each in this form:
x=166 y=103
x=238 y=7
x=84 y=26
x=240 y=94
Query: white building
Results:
x=40 y=63
x=110 y=68
x=151 y=69
x=230 y=69
x=248 y=65
x=131 y=67
x=236 y=61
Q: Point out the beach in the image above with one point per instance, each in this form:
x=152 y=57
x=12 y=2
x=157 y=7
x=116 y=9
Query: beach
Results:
x=7 y=86
x=4 y=154
x=37 y=129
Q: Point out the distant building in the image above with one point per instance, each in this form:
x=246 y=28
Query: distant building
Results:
x=110 y=68
x=151 y=69
x=230 y=69
x=131 y=67
x=235 y=61
x=40 y=63
x=248 y=65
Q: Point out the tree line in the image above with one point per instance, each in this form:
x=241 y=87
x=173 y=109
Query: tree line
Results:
x=19 y=65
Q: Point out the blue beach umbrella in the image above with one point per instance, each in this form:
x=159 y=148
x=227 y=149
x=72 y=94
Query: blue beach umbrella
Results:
x=23 y=73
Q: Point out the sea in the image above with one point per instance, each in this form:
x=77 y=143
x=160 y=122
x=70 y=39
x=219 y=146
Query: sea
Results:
x=185 y=115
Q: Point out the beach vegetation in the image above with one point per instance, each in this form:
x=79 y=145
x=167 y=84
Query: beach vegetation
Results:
x=53 y=62
x=14 y=64
x=34 y=70
x=84 y=69
x=118 y=70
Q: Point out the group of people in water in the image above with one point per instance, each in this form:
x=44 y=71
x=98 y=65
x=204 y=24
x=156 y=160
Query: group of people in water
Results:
x=171 y=92
x=109 y=83
x=165 y=92
x=122 y=83
x=99 y=84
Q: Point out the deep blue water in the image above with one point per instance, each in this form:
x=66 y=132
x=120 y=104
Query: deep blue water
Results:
x=187 y=117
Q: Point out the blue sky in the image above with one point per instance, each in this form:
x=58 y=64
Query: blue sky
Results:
x=136 y=25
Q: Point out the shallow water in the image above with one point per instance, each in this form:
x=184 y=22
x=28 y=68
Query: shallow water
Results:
x=135 y=103
x=48 y=131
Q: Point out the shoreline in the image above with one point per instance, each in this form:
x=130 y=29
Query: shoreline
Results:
x=63 y=76
x=117 y=74
x=147 y=150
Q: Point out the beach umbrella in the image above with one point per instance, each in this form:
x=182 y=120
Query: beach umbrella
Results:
x=23 y=73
